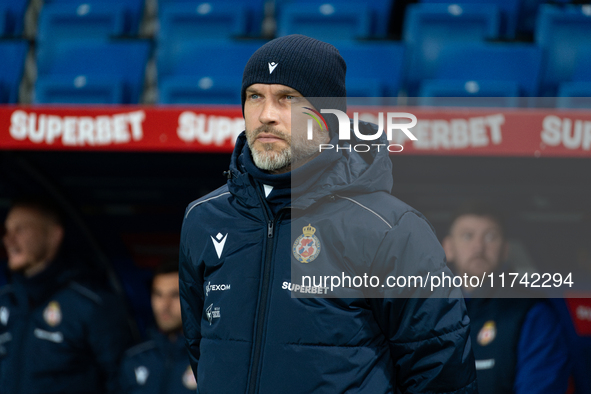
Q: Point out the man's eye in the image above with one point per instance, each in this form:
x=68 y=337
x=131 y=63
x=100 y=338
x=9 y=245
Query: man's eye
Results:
x=253 y=96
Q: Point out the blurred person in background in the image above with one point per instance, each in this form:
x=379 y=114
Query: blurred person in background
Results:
x=518 y=343
x=58 y=332
x=161 y=365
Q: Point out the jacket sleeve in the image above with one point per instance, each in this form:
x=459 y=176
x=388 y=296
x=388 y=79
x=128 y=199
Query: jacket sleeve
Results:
x=542 y=355
x=109 y=336
x=428 y=334
x=191 y=293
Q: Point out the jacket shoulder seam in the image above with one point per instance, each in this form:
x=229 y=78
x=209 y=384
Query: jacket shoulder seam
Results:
x=140 y=348
x=202 y=201
x=367 y=208
x=86 y=292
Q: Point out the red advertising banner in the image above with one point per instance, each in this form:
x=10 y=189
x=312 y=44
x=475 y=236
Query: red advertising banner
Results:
x=440 y=131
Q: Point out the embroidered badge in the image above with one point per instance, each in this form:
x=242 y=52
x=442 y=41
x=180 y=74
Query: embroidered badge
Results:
x=307 y=246
x=52 y=314
x=487 y=333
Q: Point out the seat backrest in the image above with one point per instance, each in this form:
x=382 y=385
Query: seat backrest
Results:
x=520 y=63
x=429 y=27
x=59 y=22
x=509 y=12
x=12 y=58
x=380 y=12
x=562 y=33
x=133 y=10
x=187 y=22
x=118 y=60
x=380 y=61
x=254 y=10
x=328 y=21
x=12 y=14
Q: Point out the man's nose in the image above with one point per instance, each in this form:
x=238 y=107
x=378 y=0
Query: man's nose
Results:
x=269 y=114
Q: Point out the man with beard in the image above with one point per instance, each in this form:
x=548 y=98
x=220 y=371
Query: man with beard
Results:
x=518 y=343
x=245 y=328
x=160 y=365
x=59 y=331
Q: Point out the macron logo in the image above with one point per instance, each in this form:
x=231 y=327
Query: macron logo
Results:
x=219 y=241
x=272 y=66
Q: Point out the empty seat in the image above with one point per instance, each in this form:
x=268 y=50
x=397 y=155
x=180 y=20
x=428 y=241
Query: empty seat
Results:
x=429 y=27
x=12 y=14
x=59 y=22
x=490 y=64
x=563 y=33
x=132 y=10
x=12 y=58
x=185 y=21
x=509 y=11
x=378 y=66
x=70 y=70
x=253 y=11
x=328 y=21
x=380 y=11
x=577 y=92
x=202 y=72
x=469 y=93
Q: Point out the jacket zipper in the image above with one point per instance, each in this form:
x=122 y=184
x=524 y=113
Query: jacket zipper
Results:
x=270 y=243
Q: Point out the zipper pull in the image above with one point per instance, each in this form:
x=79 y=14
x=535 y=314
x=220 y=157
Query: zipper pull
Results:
x=270 y=229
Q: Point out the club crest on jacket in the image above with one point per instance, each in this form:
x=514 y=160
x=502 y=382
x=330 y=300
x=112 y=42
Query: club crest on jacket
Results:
x=52 y=314
x=307 y=246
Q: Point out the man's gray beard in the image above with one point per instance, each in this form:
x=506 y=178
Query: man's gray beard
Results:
x=270 y=160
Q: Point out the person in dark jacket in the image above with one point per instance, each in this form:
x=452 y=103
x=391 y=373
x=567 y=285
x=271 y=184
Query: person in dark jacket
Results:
x=160 y=365
x=286 y=205
x=57 y=333
x=518 y=343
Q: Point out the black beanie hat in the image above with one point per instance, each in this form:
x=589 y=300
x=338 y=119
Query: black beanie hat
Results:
x=313 y=68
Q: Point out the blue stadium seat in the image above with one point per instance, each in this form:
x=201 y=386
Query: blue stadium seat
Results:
x=79 y=90
x=563 y=33
x=509 y=12
x=185 y=21
x=577 y=92
x=574 y=95
x=253 y=10
x=13 y=54
x=133 y=10
x=487 y=64
x=382 y=62
x=380 y=11
x=469 y=93
x=59 y=22
x=12 y=14
x=87 y=66
x=202 y=72
x=328 y=21
x=429 y=27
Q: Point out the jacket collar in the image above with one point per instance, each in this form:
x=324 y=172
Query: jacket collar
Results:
x=329 y=173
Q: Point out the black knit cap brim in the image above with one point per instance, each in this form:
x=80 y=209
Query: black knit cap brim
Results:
x=312 y=67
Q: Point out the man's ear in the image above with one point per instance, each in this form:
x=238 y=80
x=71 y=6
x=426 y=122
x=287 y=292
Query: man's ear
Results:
x=56 y=235
x=448 y=248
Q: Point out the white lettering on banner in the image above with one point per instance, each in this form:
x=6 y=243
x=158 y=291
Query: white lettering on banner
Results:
x=573 y=135
x=208 y=129
x=453 y=133
x=77 y=130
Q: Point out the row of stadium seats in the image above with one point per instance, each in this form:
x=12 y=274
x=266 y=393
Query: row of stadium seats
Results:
x=87 y=71
x=343 y=19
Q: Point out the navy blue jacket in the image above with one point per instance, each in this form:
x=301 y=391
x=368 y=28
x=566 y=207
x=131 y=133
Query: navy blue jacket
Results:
x=58 y=335
x=158 y=366
x=247 y=334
